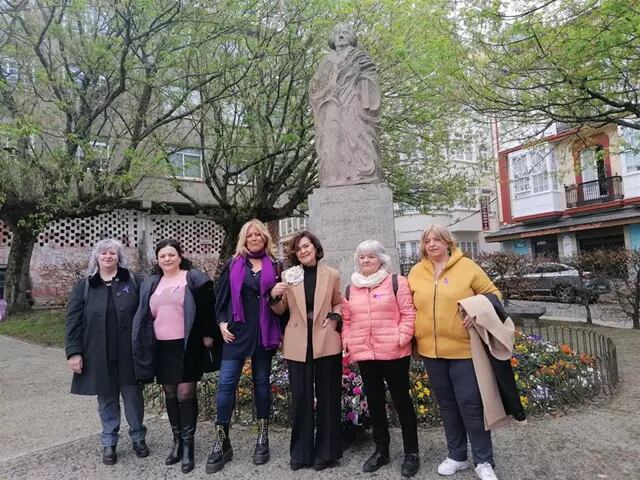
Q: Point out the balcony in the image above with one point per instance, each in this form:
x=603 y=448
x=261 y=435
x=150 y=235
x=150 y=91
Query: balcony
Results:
x=591 y=193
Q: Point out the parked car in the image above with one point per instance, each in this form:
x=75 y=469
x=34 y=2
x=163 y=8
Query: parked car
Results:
x=560 y=281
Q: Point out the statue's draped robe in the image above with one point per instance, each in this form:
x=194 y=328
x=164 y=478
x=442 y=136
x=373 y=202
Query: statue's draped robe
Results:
x=345 y=98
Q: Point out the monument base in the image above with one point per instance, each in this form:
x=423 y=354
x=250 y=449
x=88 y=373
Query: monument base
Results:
x=345 y=215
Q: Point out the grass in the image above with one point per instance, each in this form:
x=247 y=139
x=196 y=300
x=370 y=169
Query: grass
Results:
x=44 y=327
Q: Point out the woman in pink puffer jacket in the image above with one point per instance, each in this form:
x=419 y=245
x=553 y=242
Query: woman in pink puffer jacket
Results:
x=379 y=316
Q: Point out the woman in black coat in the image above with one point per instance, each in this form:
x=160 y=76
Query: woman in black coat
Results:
x=98 y=345
x=175 y=339
x=250 y=329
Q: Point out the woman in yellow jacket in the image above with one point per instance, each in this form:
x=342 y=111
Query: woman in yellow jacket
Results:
x=442 y=278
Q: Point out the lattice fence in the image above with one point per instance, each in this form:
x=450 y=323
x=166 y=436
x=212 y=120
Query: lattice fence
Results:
x=197 y=236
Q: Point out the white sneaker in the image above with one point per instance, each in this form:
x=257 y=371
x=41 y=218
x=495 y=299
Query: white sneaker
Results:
x=484 y=471
x=449 y=467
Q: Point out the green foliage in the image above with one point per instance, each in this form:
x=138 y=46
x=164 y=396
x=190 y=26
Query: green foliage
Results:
x=44 y=327
x=566 y=61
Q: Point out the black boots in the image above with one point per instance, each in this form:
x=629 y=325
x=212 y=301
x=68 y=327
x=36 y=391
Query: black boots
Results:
x=222 y=451
x=379 y=458
x=109 y=455
x=411 y=465
x=141 y=449
x=173 y=412
x=261 y=453
x=188 y=419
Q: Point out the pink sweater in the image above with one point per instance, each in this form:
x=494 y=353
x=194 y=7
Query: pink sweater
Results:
x=377 y=325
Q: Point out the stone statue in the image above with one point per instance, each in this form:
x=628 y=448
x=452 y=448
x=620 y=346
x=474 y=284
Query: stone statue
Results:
x=345 y=98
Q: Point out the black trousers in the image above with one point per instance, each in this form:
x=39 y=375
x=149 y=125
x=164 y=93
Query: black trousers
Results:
x=396 y=374
x=321 y=378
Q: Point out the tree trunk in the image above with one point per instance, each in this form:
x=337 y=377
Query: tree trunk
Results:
x=17 y=288
x=228 y=247
x=587 y=307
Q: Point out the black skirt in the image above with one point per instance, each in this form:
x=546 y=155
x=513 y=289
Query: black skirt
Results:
x=175 y=365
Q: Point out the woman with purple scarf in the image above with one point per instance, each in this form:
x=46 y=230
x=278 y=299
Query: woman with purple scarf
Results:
x=250 y=329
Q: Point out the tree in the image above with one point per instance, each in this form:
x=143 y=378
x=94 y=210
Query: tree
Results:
x=563 y=61
x=258 y=143
x=507 y=270
x=102 y=88
x=623 y=271
x=85 y=100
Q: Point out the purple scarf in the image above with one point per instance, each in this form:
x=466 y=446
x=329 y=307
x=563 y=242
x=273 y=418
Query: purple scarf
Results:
x=270 y=334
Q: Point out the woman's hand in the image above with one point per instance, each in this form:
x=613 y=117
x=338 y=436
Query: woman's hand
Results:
x=468 y=322
x=75 y=363
x=279 y=289
x=208 y=341
x=227 y=336
x=334 y=319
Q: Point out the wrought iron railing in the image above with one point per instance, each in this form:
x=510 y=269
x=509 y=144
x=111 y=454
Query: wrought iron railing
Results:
x=597 y=346
x=593 y=192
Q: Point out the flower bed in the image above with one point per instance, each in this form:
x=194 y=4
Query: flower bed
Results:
x=550 y=377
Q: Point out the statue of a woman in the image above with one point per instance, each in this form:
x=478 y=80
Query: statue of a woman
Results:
x=345 y=98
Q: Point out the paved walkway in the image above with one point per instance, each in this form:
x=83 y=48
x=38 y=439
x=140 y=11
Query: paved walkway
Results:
x=46 y=433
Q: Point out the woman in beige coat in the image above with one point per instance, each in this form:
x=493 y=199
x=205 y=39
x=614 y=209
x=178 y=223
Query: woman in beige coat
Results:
x=313 y=349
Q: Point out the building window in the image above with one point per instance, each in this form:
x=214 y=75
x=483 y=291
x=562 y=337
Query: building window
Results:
x=469 y=248
x=291 y=225
x=187 y=163
x=532 y=171
x=98 y=153
x=630 y=149
x=408 y=249
x=9 y=70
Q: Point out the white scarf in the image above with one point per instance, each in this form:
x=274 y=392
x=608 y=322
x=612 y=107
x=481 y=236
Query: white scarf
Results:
x=369 y=281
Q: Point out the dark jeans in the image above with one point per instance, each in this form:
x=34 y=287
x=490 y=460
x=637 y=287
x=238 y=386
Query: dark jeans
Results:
x=321 y=378
x=456 y=387
x=396 y=374
x=230 y=371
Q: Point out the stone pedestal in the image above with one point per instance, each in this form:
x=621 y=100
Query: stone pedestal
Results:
x=344 y=216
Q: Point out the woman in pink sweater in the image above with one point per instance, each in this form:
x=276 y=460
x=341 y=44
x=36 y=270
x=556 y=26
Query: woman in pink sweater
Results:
x=379 y=316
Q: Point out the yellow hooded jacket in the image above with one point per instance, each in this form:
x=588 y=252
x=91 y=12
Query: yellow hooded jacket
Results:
x=439 y=330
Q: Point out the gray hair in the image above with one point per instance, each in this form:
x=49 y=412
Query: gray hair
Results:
x=375 y=247
x=101 y=246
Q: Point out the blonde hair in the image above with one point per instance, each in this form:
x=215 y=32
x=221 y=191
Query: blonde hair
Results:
x=241 y=247
x=441 y=234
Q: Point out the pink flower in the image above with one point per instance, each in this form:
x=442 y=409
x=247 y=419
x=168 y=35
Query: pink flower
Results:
x=357 y=391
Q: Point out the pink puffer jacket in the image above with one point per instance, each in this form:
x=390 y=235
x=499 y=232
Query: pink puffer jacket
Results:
x=378 y=325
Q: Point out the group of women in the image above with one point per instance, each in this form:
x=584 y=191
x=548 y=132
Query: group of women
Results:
x=123 y=331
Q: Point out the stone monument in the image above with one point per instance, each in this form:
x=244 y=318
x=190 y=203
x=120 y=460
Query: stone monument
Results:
x=352 y=203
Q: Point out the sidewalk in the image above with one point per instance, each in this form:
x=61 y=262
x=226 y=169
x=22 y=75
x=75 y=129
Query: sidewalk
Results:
x=38 y=416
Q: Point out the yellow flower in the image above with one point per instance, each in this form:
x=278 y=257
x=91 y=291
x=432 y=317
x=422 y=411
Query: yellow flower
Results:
x=515 y=376
x=427 y=391
x=422 y=410
x=524 y=400
x=420 y=395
